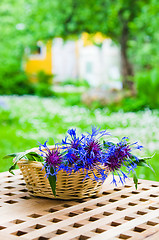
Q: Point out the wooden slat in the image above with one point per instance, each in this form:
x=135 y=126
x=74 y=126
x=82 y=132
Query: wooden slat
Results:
x=117 y=213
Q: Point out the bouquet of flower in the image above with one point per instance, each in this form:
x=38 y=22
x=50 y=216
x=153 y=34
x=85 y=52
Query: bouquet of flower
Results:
x=87 y=154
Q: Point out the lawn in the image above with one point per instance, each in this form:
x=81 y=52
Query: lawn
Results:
x=25 y=121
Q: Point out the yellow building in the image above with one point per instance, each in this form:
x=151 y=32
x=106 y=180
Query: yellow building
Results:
x=42 y=58
x=91 y=57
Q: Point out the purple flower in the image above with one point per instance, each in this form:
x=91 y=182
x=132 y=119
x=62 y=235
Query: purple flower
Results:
x=120 y=155
x=71 y=140
x=117 y=155
x=71 y=156
x=92 y=153
x=52 y=158
x=93 y=148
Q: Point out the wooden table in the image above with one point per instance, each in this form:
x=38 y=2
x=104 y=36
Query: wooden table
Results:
x=118 y=213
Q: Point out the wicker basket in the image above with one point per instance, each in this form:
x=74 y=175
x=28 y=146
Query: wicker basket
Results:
x=67 y=187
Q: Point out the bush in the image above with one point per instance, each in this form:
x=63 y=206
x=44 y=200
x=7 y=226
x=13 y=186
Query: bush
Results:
x=76 y=83
x=133 y=104
x=147 y=85
x=71 y=99
x=43 y=77
x=43 y=90
x=126 y=104
x=15 y=83
x=44 y=84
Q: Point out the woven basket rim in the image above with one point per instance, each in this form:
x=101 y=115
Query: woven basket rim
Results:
x=39 y=164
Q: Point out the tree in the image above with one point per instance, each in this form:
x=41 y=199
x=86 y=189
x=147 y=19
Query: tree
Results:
x=12 y=43
x=146 y=42
x=113 y=18
x=14 y=38
x=129 y=23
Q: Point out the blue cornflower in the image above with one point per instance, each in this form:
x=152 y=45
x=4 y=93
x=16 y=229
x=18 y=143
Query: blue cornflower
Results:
x=71 y=156
x=92 y=153
x=86 y=153
x=72 y=133
x=52 y=158
x=71 y=140
x=119 y=155
x=97 y=133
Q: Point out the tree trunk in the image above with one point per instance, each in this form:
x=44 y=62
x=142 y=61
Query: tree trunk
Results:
x=126 y=67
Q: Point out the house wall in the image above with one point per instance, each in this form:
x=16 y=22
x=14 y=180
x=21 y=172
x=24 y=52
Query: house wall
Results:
x=99 y=65
x=40 y=62
x=64 y=59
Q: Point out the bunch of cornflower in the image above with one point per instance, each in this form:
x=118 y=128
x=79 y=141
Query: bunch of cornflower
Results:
x=120 y=160
x=84 y=153
x=87 y=154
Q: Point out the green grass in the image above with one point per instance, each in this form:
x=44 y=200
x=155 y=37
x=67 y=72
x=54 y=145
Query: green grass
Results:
x=29 y=120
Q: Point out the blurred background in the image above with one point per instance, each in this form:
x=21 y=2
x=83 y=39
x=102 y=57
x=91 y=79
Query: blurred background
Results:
x=77 y=63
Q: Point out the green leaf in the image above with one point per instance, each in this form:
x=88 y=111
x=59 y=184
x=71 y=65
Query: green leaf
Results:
x=12 y=168
x=143 y=163
x=52 y=181
x=10 y=155
x=145 y=158
x=135 y=179
x=29 y=155
x=17 y=156
x=33 y=156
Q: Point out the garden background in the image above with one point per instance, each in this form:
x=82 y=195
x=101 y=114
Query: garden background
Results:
x=32 y=112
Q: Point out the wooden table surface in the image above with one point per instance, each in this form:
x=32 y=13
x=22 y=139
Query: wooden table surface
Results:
x=118 y=213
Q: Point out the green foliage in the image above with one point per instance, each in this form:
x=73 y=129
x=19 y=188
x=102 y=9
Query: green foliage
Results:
x=130 y=24
x=142 y=163
x=135 y=179
x=43 y=86
x=19 y=83
x=43 y=77
x=147 y=84
x=70 y=99
x=128 y=104
x=43 y=90
x=15 y=83
x=24 y=22
x=52 y=181
x=28 y=155
x=133 y=104
x=145 y=42
x=113 y=18
x=13 y=40
x=76 y=83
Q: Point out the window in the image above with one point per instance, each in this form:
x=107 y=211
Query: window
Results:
x=89 y=67
x=35 y=50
